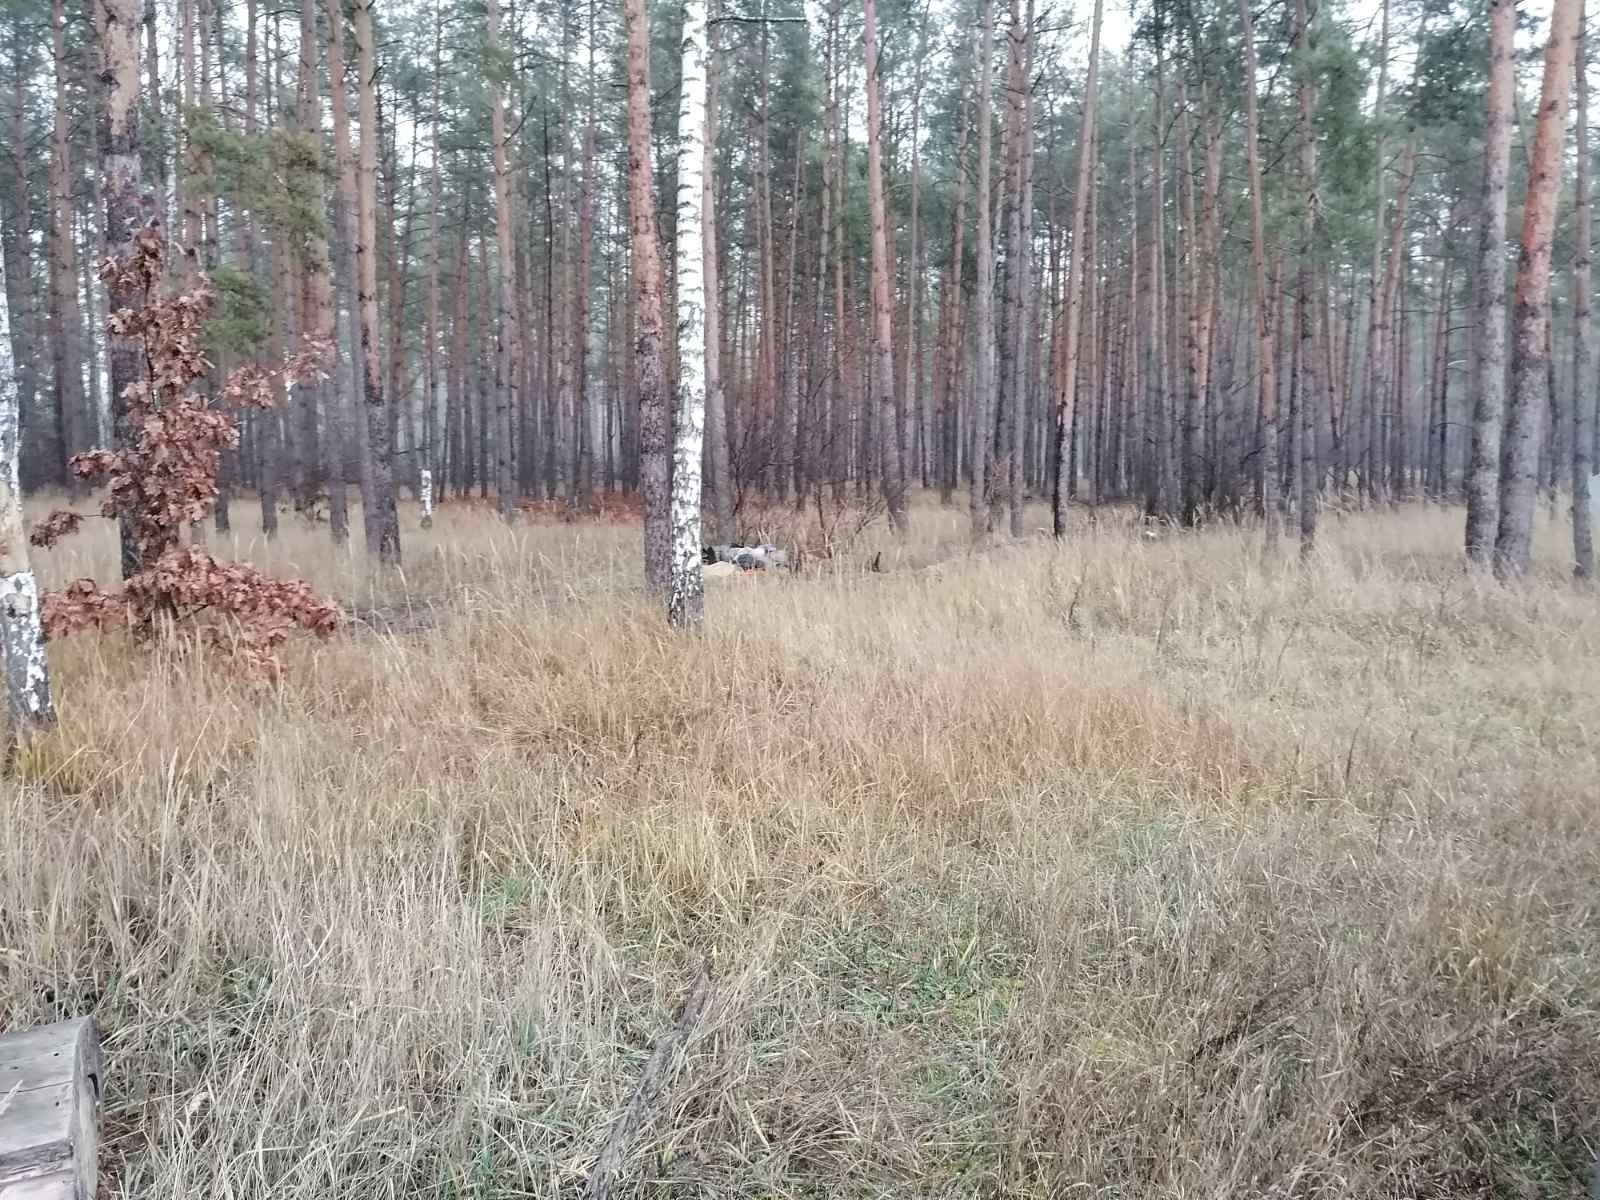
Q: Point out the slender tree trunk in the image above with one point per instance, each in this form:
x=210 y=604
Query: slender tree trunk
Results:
x=1188 y=293
x=655 y=404
x=117 y=23
x=316 y=270
x=430 y=349
x=1583 y=380
x=839 y=421
x=984 y=367
x=1306 y=471
x=588 y=412
x=1077 y=274
x=952 y=339
x=685 y=601
x=190 y=173
x=459 y=405
x=43 y=457
x=788 y=456
x=716 y=418
x=1009 y=343
x=1489 y=289
x=233 y=465
x=1519 y=461
x=155 y=142
x=1015 y=483
x=22 y=655
x=381 y=517
x=912 y=401
x=1266 y=351
x=351 y=400
x=1438 y=383
x=393 y=250
x=65 y=319
x=505 y=302
x=893 y=466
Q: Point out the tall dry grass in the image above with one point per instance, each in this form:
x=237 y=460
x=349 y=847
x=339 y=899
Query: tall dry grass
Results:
x=1121 y=869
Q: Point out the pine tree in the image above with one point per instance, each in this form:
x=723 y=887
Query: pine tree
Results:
x=380 y=515
x=1583 y=378
x=1530 y=352
x=655 y=415
x=1489 y=290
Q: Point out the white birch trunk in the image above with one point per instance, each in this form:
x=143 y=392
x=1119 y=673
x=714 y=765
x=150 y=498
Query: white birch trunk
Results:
x=425 y=496
x=21 y=638
x=685 y=595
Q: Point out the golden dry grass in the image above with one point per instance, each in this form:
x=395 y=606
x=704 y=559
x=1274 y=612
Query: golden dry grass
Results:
x=1124 y=869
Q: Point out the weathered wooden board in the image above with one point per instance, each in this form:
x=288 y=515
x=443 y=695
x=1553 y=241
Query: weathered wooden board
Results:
x=49 y=1118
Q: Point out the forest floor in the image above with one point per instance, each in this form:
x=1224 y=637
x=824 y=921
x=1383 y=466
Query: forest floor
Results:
x=1128 y=868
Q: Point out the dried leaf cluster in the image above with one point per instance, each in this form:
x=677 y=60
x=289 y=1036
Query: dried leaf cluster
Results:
x=164 y=476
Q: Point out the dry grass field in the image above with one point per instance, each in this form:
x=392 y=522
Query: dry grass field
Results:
x=1123 y=869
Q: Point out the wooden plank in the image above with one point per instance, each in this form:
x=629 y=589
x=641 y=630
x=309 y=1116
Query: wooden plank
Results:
x=49 y=1119
x=45 y=1187
x=48 y=1054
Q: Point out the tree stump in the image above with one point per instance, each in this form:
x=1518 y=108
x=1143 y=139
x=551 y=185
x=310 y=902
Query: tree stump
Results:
x=49 y=1111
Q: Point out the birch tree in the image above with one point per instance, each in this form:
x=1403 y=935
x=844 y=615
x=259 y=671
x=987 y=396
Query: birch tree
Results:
x=685 y=597
x=21 y=639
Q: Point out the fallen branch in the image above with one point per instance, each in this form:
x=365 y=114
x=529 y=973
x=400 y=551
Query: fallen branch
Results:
x=650 y=1091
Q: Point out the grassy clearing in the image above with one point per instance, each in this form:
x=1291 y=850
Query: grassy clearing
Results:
x=1124 y=869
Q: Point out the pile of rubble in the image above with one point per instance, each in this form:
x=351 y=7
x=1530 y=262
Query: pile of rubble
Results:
x=729 y=560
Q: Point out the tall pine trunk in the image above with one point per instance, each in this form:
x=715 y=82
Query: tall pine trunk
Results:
x=43 y=458
x=118 y=25
x=983 y=398
x=505 y=303
x=655 y=404
x=348 y=400
x=721 y=475
x=586 y=396
x=382 y=521
x=952 y=338
x=1009 y=343
x=1077 y=275
x=893 y=464
x=1583 y=381
x=1530 y=353
x=1306 y=465
x=1266 y=351
x=433 y=459
x=316 y=274
x=1489 y=289
x=64 y=327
